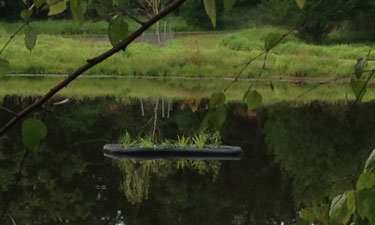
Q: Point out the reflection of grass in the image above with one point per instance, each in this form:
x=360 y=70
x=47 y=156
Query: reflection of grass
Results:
x=214 y=55
x=124 y=88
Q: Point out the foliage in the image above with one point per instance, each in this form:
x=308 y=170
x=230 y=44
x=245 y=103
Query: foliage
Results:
x=252 y=99
x=319 y=137
x=200 y=140
x=126 y=140
x=319 y=18
x=181 y=57
x=357 y=205
x=33 y=132
x=182 y=141
x=193 y=11
x=117 y=31
x=146 y=143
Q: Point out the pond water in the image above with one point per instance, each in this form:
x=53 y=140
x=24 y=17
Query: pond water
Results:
x=296 y=158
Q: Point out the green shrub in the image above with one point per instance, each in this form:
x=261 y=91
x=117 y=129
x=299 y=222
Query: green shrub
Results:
x=193 y=12
x=319 y=18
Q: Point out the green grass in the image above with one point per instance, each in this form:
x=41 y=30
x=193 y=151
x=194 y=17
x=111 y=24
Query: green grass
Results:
x=211 y=55
x=188 y=89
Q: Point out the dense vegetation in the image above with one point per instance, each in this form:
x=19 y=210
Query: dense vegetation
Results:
x=209 y=55
x=314 y=23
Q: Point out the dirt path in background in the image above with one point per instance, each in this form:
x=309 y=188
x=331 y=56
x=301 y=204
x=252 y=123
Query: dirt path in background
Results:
x=150 y=38
x=295 y=80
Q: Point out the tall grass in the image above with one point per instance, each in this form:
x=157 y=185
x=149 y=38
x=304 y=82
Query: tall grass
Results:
x=187 y=89
x=212 y=55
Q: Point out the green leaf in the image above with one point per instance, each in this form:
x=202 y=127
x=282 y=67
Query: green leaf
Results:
x=31 y=35
x=78 y=8
x=370 y=163
x=301 y=3
x=365 y=181
x=217 y=100
x=272 y=40
x=359 y=68
x=210 y=7
x=350 y=204
x=4 y=66
x=228 y=4
x=118 y=31
x=366 y=204
x=359 y=88
x=215 y=118
x=253 y=99
x=33 y=132
x=338 y=206
x=39 y=3
x=56 y=7
x=26 y=14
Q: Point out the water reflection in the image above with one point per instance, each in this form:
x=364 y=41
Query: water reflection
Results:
x=296 y=158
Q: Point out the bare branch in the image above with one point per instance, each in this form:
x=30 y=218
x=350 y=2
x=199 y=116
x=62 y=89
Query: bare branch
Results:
x=90 y=63
x=8 y=110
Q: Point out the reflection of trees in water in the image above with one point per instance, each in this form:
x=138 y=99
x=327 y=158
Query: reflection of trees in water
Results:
x=66 y=180
x=320 y=146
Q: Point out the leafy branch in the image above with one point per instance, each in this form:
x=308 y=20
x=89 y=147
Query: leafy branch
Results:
x=26 y=15
x=12 y=37
x=90 y=63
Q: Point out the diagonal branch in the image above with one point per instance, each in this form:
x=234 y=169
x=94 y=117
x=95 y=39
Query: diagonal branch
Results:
x=90 y=63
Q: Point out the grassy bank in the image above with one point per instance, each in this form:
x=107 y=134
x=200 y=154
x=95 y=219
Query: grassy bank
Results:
x=211 y=55
x=187 y=89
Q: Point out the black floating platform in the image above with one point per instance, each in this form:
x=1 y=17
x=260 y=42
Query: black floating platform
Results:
x=222 y=152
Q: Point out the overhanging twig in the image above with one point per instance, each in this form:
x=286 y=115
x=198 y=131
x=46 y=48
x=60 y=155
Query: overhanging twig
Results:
x=12 y=36
x=90 y=63
x=258 y=56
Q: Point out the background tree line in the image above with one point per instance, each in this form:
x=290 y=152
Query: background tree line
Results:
x=323 y=16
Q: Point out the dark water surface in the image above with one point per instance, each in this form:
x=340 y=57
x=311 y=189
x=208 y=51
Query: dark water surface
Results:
x=296 y=158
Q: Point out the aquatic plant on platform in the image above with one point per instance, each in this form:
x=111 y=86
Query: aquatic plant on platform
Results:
x=199 y=147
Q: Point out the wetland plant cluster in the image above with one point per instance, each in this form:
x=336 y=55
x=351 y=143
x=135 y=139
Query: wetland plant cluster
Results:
x=212 y=140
